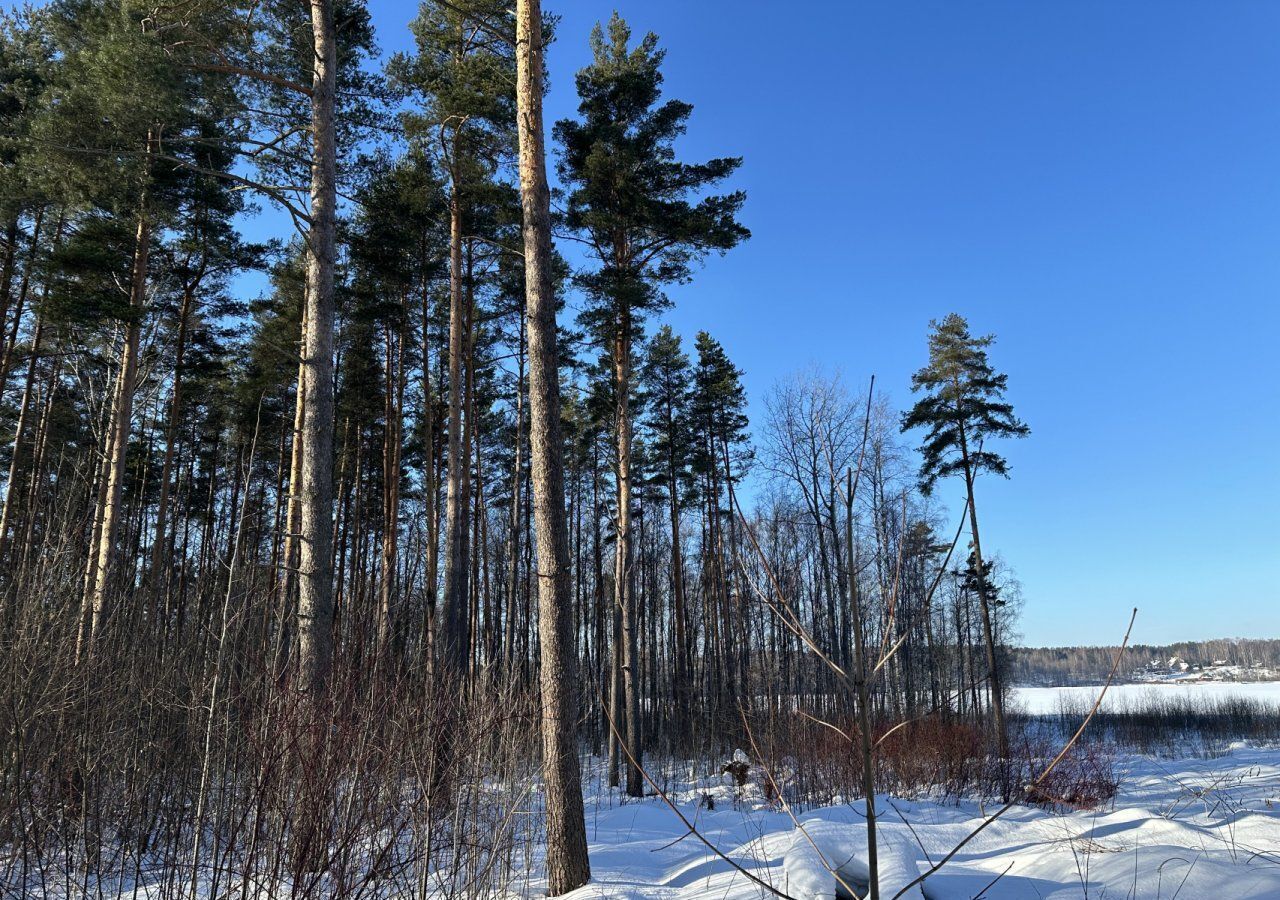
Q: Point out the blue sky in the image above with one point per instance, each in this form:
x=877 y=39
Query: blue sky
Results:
x=1098 y=183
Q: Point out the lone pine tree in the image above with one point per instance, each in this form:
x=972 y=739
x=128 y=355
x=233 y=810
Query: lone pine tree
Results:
x=962 y=408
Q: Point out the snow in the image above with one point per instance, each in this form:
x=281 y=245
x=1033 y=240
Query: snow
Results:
x=1192 y=828
x=1049 y=700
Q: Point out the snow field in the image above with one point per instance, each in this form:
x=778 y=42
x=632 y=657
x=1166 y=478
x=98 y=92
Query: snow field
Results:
x=1196 y=828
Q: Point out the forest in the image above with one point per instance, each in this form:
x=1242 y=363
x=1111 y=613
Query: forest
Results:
x=342 y=561
x=1238 y=659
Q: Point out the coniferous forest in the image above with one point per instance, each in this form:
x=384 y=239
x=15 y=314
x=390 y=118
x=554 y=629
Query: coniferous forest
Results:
x=341 y=561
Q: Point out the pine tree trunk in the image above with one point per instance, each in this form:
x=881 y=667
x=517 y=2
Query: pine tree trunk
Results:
x=739 y=609
x=988 y=631
x=451 y=638
x=429 y=476
x=342 y=519
x=118 y=433
x=618 y=731
x=622 y=586
x=567 y=864
x=315 y=526
x=601 y=607
x=292 y=519
x=394 y=401
x=99 y=483
x=513 y=580
x=473 y=491
x=471 y=548
x=683 y=692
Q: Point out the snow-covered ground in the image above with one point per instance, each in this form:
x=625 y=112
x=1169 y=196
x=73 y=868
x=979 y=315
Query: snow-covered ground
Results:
x=1049 y=700
x=1188 y=829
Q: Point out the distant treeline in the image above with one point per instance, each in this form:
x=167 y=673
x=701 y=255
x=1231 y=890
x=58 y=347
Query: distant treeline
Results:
x=1083 y=665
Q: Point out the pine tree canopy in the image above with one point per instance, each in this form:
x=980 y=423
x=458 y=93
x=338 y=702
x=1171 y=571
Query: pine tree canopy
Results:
x=719 y=406
x=963 y=405
x=634 y=204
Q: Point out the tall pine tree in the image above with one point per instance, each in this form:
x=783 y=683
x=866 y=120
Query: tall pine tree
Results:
x=962 y=408
x=638 y=210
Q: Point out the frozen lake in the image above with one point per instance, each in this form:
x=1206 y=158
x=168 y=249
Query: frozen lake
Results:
x=1047 y=700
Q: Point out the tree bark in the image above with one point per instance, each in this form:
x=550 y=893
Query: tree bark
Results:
x=117 y=445
x=567 y=863
x=988 y=630
x=391 y=449
x=622 y=586
x=315 y=558
x=513 y=580
x=683 y=692
x=452 y=636
x=469 y=507
x=293 y=517
x=429 y=477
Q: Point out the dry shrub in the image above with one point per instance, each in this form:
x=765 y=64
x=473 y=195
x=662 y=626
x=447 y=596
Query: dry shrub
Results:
x=950 y=758
x=944 y=759
x=1084 y=779
x=128 y=771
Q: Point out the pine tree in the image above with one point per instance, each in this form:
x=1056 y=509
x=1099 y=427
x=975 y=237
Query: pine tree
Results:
x=567 y=864
x=200 y=259
x=396 y=244
x=963 y=408
x=722 y=457
x=630 y=201
x=464 y=78
x=121 y=135
x=667 y=377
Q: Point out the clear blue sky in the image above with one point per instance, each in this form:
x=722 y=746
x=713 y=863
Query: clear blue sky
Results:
x=1098 y=183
